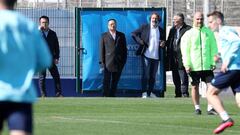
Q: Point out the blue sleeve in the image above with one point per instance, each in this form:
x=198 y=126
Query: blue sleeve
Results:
x=44 y=58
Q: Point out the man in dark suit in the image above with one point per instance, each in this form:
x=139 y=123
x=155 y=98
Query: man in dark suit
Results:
x=174 y=56
x=51 y=38
x=113 y=56
x=151 y=37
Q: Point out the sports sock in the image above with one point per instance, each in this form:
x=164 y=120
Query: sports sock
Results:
x=197 y=107
x=209 y=107
x=224 y=115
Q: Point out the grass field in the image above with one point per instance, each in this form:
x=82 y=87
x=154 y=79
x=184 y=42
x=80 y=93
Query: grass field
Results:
x=127 y=116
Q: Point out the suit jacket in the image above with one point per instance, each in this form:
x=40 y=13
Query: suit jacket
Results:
x=141 y=36
x=113 y=53
x=174 y=55
x=53 y=44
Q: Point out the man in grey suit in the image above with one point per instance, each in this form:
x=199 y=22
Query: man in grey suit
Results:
x=150 y=37
x=113 y=56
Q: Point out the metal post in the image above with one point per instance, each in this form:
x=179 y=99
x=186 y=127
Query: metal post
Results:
x=194 y=6
x=58 y=4
x=65 y=4
x=36 y=4
x=44 y=3
x=99 y=3
x=222 y=6
x=172 y=8
x=205 y=10
x=80 y=3
x=77 y=50
x=166 y=5
x=128 y=4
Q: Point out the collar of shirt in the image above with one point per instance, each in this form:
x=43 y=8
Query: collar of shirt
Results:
x=113 y=34
x=46 y=32
x=152 y=27
x=178 y=30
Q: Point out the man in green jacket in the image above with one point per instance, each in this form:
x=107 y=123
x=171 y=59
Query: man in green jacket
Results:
x=198 y=46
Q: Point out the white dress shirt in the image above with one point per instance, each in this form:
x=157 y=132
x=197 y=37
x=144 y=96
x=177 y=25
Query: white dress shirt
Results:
x=153 y=49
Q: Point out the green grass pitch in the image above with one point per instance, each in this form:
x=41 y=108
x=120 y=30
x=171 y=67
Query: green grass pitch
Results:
x=127 y=116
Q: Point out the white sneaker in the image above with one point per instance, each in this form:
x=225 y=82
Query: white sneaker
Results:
x=152 y=95
x=144 y=95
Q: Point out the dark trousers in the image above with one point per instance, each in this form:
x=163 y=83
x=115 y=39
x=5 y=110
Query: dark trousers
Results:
x=180 y=80
x=110 y=82
x=150 y=67
x=56 y=77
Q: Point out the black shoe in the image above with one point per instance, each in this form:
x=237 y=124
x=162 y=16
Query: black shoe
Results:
x=161 y=94
x=198 y=112
x=185 y=95
x=212 y=112
x=59 y=95
x=43 y=95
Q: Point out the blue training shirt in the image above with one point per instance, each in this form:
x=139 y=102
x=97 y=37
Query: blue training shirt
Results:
x=23 y=52
x=230 y=43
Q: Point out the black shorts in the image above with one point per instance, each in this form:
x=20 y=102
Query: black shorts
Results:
x=205 y=76
x=224 y=80
x=18 y=116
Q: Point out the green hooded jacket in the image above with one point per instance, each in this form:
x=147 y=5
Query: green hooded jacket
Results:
x=198 y=50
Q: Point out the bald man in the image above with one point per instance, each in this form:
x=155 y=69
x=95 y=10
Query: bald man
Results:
x=198 y=46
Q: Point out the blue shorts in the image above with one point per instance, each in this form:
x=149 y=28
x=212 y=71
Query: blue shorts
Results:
x=205 y=76
x=224 y=80
x=18 y=116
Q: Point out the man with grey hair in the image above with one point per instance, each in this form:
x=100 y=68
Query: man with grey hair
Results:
x=174 y=56
x=150 y=37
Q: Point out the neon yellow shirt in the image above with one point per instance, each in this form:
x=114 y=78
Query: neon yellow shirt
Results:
x=198 y=48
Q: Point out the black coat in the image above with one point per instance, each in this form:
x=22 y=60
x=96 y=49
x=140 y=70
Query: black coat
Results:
x=141 y=36
x=113 y=53
x=173 y=53
x=53 y=44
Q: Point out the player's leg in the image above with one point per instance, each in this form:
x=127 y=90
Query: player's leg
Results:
x=236 y=87
x=222 y=80
x=1 y=120
x=20 y=119
x=195 y=91
x=237 y=97
x=213 y=98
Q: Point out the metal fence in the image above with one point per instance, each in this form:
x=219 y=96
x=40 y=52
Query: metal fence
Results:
x=230 y=8
x=62 y=17
x=62 y=22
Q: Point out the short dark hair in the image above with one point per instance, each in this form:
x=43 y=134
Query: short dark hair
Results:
x=216 y=14
x=111 y=19
x=9 y=3
x=181 y=16
x=45 y=17
x=155 y=13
